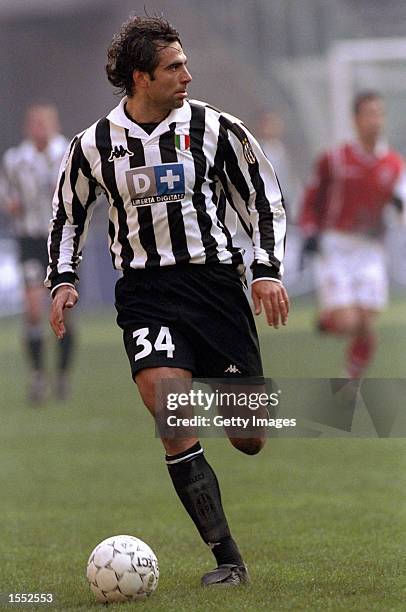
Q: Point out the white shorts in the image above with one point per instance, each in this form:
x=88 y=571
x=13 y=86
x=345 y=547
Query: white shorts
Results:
x=351 y=271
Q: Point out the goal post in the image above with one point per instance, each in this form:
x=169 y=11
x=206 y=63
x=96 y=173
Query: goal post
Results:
x=375 y=63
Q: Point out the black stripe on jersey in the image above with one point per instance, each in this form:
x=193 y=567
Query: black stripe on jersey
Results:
x=265 y=215
x=232 y=166
x=235 y=175
x=220 y=201
x=146 y=232
x=60 y=220
x=56 y=233
x=104 y=147
x=174 y=209
x=79 y=209
x=197 y=127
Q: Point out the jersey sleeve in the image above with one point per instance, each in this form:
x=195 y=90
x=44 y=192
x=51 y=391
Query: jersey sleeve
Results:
x=8 y=178
x=253 y=191
x=73 y=203
x=399 y=194
x=315 y=197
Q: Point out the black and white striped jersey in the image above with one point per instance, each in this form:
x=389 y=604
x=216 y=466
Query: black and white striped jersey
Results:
x=29 y=176
x=167 y=193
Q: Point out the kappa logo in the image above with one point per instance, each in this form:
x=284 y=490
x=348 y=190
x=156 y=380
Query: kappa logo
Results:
x=153 y=184
x=118 y=152
x=232 y=369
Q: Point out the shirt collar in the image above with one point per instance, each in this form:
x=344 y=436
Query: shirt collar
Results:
x=381 y=149
x=119 y=117
x=55 y=146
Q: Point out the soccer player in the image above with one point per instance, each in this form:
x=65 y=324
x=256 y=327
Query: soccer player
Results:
x=30 y=171
x=168 y=166
x=343 y=219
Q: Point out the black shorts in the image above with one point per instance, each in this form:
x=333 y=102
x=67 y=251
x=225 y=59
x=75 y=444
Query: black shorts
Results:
x=33 y=259
x=194 y=317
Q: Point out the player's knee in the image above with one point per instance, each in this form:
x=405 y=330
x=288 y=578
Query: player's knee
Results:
x=345 y=323
x=249 y=446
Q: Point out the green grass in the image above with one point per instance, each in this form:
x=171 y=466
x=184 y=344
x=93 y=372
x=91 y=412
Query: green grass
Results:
x=321 y=522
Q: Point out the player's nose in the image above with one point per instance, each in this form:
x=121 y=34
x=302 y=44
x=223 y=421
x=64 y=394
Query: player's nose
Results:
x=186 y=77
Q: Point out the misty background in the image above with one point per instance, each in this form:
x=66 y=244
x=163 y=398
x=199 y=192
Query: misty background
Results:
x=303 y=59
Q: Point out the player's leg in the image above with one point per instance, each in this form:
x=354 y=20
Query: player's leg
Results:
x=361 y=349
x=342 y=321
x=33 y=257
x=227 y=347
x=194 y=480
x=34 y=296
x=371 y=296
x=33 y=309
x=335 y=271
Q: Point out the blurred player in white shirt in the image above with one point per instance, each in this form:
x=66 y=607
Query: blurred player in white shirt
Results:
x=30 y=172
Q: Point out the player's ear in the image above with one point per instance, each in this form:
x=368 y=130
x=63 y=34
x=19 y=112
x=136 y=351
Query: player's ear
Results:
x=141 y=79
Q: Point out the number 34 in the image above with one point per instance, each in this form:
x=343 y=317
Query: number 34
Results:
x=162 y=343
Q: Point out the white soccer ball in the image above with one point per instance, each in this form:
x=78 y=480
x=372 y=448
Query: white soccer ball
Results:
x=122 y=568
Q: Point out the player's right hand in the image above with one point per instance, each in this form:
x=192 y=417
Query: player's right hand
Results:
x=65 y=297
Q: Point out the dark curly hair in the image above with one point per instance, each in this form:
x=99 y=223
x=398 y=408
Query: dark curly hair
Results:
x=136 y=47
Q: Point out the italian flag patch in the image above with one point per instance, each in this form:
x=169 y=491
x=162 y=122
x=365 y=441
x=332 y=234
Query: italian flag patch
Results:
x=182 y=142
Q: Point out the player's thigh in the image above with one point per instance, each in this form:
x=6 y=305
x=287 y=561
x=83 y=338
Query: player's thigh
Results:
x=345 y=320
x=34 y=296
x=154 y=383
x=33 y=260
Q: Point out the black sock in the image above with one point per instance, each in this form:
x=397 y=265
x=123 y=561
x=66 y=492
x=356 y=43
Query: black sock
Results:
x=65 y=347
x=35 y=347
x=197 y=487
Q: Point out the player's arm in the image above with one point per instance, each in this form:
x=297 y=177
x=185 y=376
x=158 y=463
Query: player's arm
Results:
x=399 y=195
x=11 y=201
x=255 y=194
x=75 y=195
x=313 y=206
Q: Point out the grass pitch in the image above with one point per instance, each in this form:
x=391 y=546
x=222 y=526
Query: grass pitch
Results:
x=321 y=522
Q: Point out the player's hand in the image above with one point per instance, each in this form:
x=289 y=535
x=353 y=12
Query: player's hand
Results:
x=310 y=248
x=274 y=298
x=65 y=297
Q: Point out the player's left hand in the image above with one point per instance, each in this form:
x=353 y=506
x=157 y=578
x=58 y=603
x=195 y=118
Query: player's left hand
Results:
x=275 y=300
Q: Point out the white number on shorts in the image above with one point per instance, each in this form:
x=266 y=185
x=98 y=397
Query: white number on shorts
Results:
x=162 y=343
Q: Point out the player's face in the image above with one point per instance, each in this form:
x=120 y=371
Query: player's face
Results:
x=370 y=119
x=41 y=124
x=167 y=89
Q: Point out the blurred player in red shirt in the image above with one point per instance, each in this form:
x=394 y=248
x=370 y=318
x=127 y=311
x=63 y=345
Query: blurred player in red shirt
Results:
x=342 y=219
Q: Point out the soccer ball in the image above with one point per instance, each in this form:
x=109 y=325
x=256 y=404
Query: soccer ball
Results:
x=122 y=568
